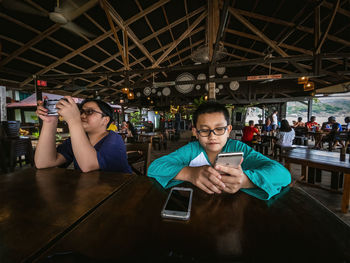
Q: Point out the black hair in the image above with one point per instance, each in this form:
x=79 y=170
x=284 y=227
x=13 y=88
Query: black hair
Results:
x=251 y=122
x=347 y=119
x=313 y=117
x=300 y=119
x=104 y=107
x=331 y=118
x=211 y=107
x=285 y=127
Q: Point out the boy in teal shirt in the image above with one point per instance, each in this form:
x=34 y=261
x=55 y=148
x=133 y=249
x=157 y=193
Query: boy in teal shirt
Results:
x=257 y=175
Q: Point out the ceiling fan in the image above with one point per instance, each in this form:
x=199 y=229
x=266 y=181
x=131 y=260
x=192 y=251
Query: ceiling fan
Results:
x=60 y=15
x=201 y=54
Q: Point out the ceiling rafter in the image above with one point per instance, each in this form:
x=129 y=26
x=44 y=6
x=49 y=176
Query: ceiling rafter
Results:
x=149 y=24
x=182 y=37
x=48 y=32
x=52 y=39
x=268 y=41
x=90 y=44
x=290 y=24
x=162 y=49
x=143 y=58
x=171 y=32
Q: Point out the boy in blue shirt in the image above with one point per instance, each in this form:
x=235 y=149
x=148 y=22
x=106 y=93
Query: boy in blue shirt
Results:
x=257 y=175
x=90 y=146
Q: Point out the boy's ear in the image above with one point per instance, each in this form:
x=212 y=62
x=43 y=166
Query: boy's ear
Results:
x=194 y=132
x=229 y=128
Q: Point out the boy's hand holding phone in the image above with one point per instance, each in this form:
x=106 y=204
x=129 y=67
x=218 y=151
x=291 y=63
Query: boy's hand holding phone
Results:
x=204 y=177
x=235 y=179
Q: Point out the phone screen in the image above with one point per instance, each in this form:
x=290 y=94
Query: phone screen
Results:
x=178 y=201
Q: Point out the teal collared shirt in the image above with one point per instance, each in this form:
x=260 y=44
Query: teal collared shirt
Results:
x=268 y=175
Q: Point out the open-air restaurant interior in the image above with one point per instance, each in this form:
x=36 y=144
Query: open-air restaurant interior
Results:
x=175 y=131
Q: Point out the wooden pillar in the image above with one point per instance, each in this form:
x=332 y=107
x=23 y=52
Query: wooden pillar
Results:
x=317 y=34
x=3 y=112
x=309 y=109
x=211 y=85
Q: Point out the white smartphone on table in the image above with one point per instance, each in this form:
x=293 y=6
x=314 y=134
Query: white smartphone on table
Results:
x=178 y=204
x=232 y=159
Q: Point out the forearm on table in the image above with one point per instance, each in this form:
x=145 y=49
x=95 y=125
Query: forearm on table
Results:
x=45 y=153
x=84 y=152
x=184 y=174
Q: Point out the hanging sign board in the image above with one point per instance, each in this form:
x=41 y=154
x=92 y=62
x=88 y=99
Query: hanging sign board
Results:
x=262 y=77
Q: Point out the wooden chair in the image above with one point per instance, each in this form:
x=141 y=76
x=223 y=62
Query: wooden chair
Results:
x=139 y=153
x=14 y=147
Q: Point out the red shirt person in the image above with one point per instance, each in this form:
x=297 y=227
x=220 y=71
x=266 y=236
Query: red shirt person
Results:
x=248 y=132
x=312 y=123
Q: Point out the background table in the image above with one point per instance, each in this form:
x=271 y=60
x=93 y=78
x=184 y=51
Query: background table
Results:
x=323 y=160
x=37 y=207
x=223 y=228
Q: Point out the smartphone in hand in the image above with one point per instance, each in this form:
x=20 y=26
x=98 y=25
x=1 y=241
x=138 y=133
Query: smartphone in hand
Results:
x=232 y=159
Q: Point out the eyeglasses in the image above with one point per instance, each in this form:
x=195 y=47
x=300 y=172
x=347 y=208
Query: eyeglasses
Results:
x=217 y=131
x=89 y=112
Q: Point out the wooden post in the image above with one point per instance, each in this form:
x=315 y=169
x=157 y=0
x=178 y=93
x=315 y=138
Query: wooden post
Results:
x=3 y=112
x=346 y=194
x=309 y=109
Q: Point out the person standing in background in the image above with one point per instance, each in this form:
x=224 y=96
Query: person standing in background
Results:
x=274 y=120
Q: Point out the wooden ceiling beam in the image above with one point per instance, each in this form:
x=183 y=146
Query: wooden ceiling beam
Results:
x=323 y=38
x=187 y=21
x=111 y=24
x=268 y=41
x=149 y=24
x=145 y=12
x=171 y=32
x=290 y=47
x=69 y=56
x=182 y=37
x=48 y=32
x=213 y=25
x=290 y=24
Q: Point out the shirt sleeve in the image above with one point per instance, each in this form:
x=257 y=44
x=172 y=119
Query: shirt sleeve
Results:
x=66 y=150
x=165 y=168
x=112 y=156
x=268 y=175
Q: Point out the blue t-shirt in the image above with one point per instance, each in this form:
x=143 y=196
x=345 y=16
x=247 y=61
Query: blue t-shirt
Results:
x=337 y=126
x=267 y=128
x=111 y=153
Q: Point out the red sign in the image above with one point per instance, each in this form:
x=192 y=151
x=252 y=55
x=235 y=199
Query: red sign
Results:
x=261 y=77
x=41 y=83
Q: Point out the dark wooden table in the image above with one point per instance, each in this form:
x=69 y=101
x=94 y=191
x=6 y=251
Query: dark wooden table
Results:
x=37 y=207
x=293 y=227
x=323 y=160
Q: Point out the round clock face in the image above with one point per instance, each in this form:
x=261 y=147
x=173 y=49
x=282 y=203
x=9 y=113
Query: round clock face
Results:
x=185 y=88
x=234 y=85
x=220 y=86
x=198 y=87
x=159 y=93
x=147 y=91
x=220 y=70
x=201 y=76
x=138 y=94
x=166 y=91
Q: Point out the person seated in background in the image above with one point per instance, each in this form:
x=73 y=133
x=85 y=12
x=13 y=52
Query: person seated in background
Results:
x=267 y=127
x=132 y=134
x=347 y=124
x=257 y=175
x=285 y=136
x=90 y=146
x=299 y=123
x=124 y=128
x=312 y=125
x=248 y=133
x=112 y=127
x=334 y=133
